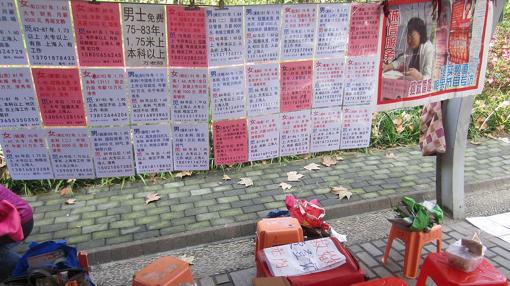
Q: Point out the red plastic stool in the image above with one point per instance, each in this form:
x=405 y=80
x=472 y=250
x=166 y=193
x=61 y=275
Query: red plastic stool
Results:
x=414 y=242
x=390 y=281
x=436 y=267
x=84 y=261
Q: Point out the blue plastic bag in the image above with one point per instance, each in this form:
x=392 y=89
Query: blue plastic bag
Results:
x=50 y=255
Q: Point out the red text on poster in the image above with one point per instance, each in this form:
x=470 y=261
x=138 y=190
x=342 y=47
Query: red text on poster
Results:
x=98 y=34
x=187 y=37
x=296 y=85
x=364 y=29
x=59 y=96
x=230 y=138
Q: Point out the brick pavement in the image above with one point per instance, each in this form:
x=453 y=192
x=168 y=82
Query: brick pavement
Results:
x=101 y=218
x=369 y=255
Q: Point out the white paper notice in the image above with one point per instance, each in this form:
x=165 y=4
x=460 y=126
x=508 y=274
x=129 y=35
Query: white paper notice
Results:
x=360 y=81
x=144 y=35
x=227 y=92
x=356 y=127
x=48 y=33
x=303 y=257
x=298 y=31
x=26 y=154
x=153 y=148
x=190 y=97
x=191 y=146
x=328 y=87
x=148 y=95
x=263 y=137
x=18 y=106
x=225 y=34
x=326 y=129
x=263 y=89
x=333 y=30
x=12 y=51
x=105 y=96
x=70 y=153
x=262 y=33
x=113 y=153
x=295 y=132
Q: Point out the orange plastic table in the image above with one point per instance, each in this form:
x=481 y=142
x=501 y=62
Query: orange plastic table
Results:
x=436 y=267
x=389 y=281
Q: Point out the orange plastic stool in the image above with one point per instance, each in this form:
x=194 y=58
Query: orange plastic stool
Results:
x=436 y=267
x=390 y=281
x=164 y=271
x=414 y=242
x=277 y=231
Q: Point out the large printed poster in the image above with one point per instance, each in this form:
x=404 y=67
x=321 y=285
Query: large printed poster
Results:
x=428 y=57
x=144 y=87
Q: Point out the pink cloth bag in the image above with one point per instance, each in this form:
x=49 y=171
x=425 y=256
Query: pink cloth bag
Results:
x=10 y=221
x=432 y=136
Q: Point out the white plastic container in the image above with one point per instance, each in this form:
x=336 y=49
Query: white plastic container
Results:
x=460 y=257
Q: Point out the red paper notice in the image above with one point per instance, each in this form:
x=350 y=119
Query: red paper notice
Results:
x=296 y=86
x=230 y=138
x=187 y=46
x=59 y=96
x=364 y=30
x=98 y=34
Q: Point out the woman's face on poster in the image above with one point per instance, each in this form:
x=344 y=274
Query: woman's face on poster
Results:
x=413 y=39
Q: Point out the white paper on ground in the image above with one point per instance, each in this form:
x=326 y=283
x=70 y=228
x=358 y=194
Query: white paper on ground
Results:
x=496 y=225
x=303 y=257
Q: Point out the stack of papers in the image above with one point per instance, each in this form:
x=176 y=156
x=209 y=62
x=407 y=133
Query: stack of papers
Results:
x=303 y=257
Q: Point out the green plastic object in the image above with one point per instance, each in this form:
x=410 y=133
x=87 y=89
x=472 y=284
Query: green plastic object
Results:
x=423 y=216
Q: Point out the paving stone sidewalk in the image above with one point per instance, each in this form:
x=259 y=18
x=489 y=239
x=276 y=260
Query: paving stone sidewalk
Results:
x=109 y=217
x=369 y=255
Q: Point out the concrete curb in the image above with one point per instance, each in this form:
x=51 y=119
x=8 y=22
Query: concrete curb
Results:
x=213 y=234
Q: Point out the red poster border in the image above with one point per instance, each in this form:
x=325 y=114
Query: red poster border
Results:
x=383 y=39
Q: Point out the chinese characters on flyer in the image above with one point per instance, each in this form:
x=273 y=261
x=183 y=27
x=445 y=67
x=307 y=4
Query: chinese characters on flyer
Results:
x=153 y=148
x=12 y=51
x=48 y=32
x=144 y=35
x=121 y=89
x=70 y=153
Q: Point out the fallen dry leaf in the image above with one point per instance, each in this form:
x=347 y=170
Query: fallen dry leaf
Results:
x=285 y=186
x=189 y=259
x=339 y=158
x=293 y=176
x=475 y=142
x=152 y=197
x=341 y=192
x=400 y=129
x=312 y=166
x=306 y=157
x=328 y=161
x=390 y=155
x=66 y=191
x=246 y=182
x=70 y=201
x=226 y=178
x=183 y=174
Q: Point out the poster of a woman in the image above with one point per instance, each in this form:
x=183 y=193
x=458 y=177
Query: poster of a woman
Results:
x=409 y=58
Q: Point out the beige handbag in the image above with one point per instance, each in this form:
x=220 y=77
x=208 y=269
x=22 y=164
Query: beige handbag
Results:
x=432 y=136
